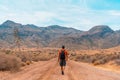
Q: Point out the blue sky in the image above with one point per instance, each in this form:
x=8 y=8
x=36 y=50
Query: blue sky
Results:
x=79 y=14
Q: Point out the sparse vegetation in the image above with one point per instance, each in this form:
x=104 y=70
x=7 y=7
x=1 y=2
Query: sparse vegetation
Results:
x=116 y=62
x=13 y=60
x=43 y=57
x=9 y=62
x=97 y=59
x=8 y=52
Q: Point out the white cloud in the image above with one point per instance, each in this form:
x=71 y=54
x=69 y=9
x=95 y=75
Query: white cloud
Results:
x=114 y=12
x=29 y=18
x=61 y=12
x=3 y=8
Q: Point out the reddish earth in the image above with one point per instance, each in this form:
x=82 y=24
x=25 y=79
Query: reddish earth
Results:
x=50 y=70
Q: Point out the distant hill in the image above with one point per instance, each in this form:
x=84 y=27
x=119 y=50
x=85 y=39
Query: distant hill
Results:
x=30 y=33
x=100 y=36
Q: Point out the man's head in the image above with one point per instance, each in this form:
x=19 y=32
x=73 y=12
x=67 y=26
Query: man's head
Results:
x=63 y=47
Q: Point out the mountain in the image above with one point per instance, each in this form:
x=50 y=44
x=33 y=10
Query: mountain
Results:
x=30 y=34
x=101 y=36
x=9 y=23
x=100 y=29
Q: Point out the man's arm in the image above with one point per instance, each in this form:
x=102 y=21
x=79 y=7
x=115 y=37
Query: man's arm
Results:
x=66 y=55
x=58 y=56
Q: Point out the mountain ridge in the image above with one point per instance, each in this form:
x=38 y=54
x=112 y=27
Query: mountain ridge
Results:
x=100 y=36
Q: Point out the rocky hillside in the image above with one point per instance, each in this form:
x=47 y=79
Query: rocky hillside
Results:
x=98 y=37
x=31 y=35
x=54 y=36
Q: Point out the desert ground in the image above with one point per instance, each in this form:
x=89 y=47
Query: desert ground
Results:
x=49 y=69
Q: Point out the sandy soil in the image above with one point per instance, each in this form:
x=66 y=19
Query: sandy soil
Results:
x=50 y=70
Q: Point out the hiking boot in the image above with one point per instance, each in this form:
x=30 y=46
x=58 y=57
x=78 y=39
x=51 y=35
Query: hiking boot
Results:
x=62 y=72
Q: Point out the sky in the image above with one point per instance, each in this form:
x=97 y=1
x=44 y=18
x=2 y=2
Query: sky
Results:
x=79 y=14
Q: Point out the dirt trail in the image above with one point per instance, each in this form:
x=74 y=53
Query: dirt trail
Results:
x=50 y=70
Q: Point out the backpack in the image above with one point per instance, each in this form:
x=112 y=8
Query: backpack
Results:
x=62 y=55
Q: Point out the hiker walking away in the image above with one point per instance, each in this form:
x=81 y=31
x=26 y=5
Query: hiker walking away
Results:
x=62 y=58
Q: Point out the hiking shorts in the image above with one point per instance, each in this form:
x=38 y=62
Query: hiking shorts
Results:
x=62 y=62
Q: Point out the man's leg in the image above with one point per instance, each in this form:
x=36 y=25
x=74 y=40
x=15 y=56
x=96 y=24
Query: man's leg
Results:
x=62 y=70
x=64 y=64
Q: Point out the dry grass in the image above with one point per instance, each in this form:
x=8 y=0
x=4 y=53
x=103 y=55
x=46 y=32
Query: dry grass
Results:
x=24 y=56
x=9 y=62
x=43 y=55
x=13 y=60
x=97 y=59
x=116 y=62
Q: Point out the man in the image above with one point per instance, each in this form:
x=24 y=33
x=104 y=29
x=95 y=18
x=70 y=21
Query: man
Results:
x=62 y=58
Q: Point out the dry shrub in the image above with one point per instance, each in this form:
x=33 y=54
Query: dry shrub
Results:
x=98 y=62
x=9 y=62
x=73 y=54
x=97 y=59
x=85 y=58
x=117 y=62
x=28 y=62
x=7 y=51
x=23 y=64
x=43 y=57
x=24 y=56
x=28 y=57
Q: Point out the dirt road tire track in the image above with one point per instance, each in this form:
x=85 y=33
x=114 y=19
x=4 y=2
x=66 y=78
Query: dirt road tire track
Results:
x=46 y=75
x=50 y=70
x=71 y=74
